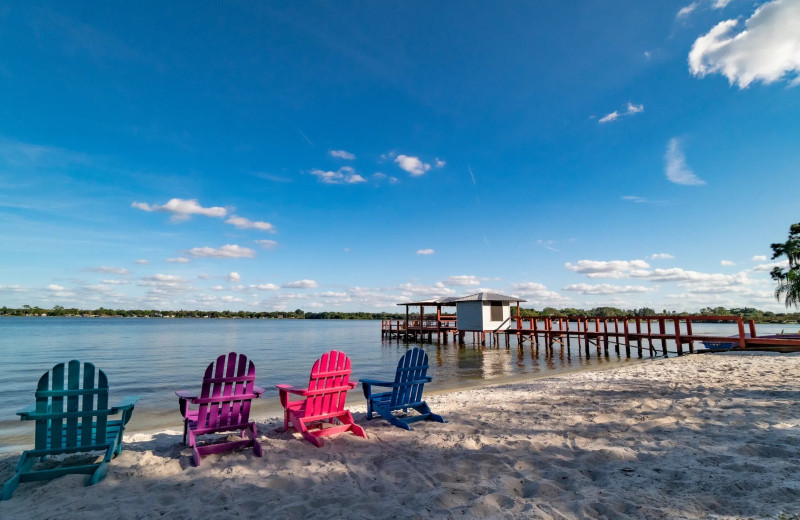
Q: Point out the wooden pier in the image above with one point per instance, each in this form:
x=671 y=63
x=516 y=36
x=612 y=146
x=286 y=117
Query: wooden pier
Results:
x=651 y=335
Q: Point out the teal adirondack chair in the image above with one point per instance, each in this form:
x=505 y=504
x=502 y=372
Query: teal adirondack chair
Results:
x=72 y=416
x=405 y=392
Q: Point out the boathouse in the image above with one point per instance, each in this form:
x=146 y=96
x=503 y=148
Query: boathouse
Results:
x=484 y=311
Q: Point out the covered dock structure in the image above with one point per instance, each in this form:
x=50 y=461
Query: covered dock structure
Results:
x=480 y=314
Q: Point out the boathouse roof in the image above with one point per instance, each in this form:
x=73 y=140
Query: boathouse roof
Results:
x=446 y=300
x=489 y=297
x=477 y=297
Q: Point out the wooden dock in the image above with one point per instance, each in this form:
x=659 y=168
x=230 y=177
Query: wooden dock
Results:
x=651 y=335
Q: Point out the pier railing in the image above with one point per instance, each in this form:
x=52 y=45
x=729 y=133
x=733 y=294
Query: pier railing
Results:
x=666 y=334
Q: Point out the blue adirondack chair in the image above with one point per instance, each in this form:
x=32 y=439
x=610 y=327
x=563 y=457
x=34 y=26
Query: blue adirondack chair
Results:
x=406 y=392
x=72 y=416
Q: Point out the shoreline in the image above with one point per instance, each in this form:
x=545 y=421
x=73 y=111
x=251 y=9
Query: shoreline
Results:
x=711 y=436
x=269 y=409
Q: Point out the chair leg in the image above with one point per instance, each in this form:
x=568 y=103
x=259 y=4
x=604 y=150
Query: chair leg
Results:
x=10 y=487
x=253 y=431
x=347 y=419
x=389 y=416
x=286 y=420
x=99 y=474
x=425 y=410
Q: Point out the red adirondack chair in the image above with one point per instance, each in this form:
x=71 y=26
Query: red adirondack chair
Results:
x=223 y=406
x=322 y=408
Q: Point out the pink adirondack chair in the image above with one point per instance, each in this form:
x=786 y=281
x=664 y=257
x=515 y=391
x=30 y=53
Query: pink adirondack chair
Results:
x=223 y=406
x=322 y=408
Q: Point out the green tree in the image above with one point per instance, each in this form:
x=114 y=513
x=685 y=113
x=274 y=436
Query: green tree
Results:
x=788 y=279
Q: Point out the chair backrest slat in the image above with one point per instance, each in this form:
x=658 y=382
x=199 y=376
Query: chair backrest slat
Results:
x=73 y=383
x=409 y=380
x=226 y=392
x=88 y=403
x=329 y=380
x=71 y=407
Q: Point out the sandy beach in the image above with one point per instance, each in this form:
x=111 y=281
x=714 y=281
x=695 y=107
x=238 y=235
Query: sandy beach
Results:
x=702 y=436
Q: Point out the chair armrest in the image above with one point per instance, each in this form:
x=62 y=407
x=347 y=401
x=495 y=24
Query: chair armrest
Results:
x=376 y=382
x=291 y=389
x=126 y=407
x=186 y=394
x=25 y=412
x=258 y=390
x=367 y=384
x=285 y=390
x=126 y=403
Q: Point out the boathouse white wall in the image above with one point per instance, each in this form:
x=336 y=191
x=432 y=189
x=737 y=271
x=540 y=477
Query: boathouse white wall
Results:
x=478 y=315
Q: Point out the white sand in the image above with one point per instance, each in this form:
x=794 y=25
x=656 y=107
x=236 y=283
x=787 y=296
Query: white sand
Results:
x=702 y=436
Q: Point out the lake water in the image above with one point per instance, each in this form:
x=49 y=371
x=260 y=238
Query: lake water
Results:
x=152 y=358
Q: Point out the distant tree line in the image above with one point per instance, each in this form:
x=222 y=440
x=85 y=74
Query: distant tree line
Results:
x=27 y=310
x=747 y=313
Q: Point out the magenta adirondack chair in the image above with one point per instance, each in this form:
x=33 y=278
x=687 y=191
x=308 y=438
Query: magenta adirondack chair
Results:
x=223 y=406
x=321 y=412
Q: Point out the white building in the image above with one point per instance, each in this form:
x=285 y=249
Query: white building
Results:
x=484 y=311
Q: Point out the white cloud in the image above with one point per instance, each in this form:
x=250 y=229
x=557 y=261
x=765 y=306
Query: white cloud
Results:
x=630 y=109
x=767 y=50
x=332 y=294
x=243 y=223
x=769 y=267
x=726 y=263
x=226 y=251
x=354 y=179
x=233 y=277
x=380 y=176
x=759 y=258
x=675 y=166
x=178 y=260
x=425 y=251
x=634 y=109
x=54 y=287
x=342 y=154
x=605 y=288
x=684 y=12
x=609 y=269
x=164 y=281
x=548 y=244
x=265 y=287
x=13 y=288
x=345 y=175
x=538 y=294
x=680 y=275
x=115 y=282
x=609 y=117
x=301 y=284
x=661 y=256
x=182 y=209
x=413 y=165
x=721 y=4
x=438 y=163
x=110 y=270
x=267 y=244
x=641 y=200
x=141 y=261
x=410 y=291
x=461 y=280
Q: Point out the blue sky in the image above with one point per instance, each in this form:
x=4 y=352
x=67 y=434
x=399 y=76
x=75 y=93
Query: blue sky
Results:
x=349 y=156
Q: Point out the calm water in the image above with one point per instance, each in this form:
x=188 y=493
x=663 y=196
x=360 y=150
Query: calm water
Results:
x=152 y=358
